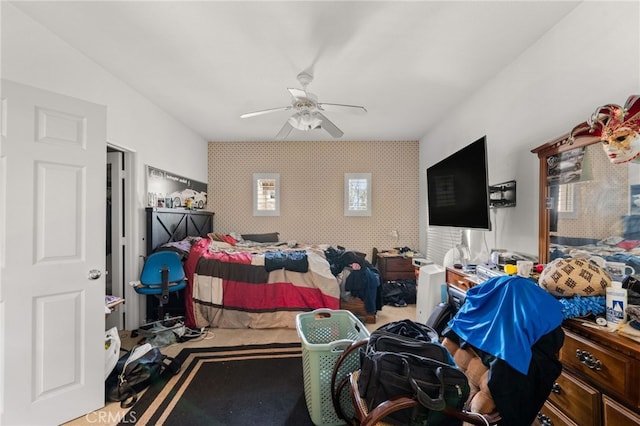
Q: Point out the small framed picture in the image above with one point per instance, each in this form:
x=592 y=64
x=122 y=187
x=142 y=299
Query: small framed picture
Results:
x=357 y=194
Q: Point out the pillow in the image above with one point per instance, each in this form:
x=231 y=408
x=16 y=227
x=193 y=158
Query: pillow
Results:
x=574 y=276
x=271 y=237
x=628 y=244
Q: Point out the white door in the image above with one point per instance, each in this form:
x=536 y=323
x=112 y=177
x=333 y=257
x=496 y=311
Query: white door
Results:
x=53 y=253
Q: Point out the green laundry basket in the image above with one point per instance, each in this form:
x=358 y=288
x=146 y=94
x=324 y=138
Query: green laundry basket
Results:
x=325 y=333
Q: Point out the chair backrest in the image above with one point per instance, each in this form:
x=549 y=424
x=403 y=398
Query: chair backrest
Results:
x=152 y=270
x=360 y=414
x=467 y=360
x=354 y=407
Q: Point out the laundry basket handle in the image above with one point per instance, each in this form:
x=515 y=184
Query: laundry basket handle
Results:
x=340 y=345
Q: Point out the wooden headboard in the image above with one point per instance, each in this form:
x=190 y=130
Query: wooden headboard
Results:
x=166 y=225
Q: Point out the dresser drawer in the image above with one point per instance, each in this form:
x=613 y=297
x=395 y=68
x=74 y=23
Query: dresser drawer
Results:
x=396 y=268
x=552 y=416
x=613 y=372
x=459 y=279
x=578 y=400
x=617 y=415
x=398 y=264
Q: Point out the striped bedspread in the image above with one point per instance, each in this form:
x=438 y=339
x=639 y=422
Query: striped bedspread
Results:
x=232 y=288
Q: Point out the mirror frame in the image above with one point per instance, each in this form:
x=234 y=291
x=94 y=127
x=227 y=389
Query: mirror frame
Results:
x=553 y=147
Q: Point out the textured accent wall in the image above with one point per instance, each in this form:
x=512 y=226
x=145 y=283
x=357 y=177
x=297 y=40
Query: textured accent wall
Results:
x=312 y=191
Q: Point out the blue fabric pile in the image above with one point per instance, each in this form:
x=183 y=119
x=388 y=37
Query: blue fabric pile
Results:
x=505 y=316
x=579 y=306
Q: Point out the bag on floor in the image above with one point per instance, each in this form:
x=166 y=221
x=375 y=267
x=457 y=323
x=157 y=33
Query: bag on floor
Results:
x=434 y=384
x=405 y=358
x=112 y=350
x=399 y=292
x=135 y=371
x=408 y=328
x=403 y=336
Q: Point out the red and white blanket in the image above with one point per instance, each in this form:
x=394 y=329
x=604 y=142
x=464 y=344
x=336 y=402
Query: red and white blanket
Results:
x=230 y=287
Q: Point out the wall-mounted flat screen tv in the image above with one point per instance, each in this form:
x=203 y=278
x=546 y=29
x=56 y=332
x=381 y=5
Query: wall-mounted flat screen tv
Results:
x=457 y=189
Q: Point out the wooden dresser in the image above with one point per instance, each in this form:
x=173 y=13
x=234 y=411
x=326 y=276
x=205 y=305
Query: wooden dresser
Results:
x=600 y=382
x=459 y=279
x=396 y=267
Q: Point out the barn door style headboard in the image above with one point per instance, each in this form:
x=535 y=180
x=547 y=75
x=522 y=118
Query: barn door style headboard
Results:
x=165 y=225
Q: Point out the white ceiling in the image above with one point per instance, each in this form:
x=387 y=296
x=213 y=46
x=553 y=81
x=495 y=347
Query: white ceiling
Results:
x=207 y=62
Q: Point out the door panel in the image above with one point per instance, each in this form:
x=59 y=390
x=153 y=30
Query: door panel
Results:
x=58 y=238
x=54 y=223
x=57 y=368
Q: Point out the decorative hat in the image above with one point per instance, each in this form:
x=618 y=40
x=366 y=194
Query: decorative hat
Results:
x=574 y=276
x=616 y=126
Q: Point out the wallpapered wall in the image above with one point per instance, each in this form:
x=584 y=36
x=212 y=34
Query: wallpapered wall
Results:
x=312 y=191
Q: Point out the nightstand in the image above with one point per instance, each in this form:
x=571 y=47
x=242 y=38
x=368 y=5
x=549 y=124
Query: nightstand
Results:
x=395 y=267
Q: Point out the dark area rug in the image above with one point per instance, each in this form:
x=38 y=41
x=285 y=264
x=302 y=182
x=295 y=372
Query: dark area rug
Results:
x=241 y=385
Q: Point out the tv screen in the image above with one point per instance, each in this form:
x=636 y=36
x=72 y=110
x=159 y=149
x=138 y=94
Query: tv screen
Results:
x=457 y=189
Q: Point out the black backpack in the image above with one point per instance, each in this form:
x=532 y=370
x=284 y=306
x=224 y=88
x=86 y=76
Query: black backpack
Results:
x=132 y=374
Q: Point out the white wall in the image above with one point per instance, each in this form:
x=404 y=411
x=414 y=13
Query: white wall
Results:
x=591 y=58
x=33 y=55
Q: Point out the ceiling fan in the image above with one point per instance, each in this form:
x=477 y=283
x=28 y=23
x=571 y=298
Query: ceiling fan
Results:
x=308 y=111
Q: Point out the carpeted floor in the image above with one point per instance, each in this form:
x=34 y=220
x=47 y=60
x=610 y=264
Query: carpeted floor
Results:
x=242 y=385
x=111 y=414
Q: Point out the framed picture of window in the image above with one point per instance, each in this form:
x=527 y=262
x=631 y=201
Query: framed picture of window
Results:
x=266 y=194
x=357 y=194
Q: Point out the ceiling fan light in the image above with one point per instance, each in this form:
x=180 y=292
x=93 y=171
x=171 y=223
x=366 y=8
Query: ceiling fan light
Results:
x=315 y=123
x=305 y=121
x=308 y=112
x=294 y=120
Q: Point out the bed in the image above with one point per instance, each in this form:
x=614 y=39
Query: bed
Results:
x=256 y=286
x=611 y=249
x=166 y=226
x=624 y=247
x=261 y=284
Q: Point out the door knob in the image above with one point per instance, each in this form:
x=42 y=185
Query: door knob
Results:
x=94 y=274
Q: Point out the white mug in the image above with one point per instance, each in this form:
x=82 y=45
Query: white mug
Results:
x=618 y=269
x=524 y=268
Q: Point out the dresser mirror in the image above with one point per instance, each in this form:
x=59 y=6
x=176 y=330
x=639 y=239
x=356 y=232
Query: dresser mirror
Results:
x=589 y=207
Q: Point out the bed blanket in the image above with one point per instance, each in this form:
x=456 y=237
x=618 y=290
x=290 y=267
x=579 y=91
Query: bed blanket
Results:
x=233 y=288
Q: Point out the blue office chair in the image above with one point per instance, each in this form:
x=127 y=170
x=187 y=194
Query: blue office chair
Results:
x=161 y=275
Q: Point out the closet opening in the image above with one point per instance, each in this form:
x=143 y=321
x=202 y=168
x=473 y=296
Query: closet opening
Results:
x=117 y=229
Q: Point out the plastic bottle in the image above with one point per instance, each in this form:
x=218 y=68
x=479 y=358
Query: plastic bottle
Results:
x=616 y=300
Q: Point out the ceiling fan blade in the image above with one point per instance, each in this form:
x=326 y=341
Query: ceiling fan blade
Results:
x=297 y=93
x=357 y=109
x=284 y=132
x=265 y=111
x=331 y=128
